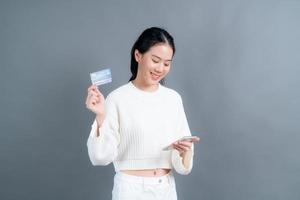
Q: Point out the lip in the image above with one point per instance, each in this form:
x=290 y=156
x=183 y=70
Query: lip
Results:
x=155 y=76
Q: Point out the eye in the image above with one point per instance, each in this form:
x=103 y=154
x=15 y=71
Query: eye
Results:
x=167 y=64
x=155 y=61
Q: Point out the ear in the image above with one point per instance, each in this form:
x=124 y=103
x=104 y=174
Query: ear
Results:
x=137 y=55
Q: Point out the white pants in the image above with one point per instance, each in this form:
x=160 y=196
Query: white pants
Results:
x=129 y=187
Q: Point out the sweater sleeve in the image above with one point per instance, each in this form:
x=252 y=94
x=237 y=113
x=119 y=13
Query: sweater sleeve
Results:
x=183 y=130
x=102 y=150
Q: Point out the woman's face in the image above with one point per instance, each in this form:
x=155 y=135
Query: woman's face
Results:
x=154 y=64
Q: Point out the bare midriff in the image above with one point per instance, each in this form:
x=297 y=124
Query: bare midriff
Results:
x=147 y=172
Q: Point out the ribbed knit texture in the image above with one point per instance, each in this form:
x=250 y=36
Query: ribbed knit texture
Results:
x=137 y=126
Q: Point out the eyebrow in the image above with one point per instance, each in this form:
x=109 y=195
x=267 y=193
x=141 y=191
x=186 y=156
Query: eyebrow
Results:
x=160 y=57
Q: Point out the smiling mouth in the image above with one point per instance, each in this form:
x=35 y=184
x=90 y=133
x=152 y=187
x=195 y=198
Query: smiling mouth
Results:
x=155 y=76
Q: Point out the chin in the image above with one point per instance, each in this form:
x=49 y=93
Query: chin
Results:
x=154 y=82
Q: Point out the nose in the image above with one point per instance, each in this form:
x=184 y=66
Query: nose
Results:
x=159 y=68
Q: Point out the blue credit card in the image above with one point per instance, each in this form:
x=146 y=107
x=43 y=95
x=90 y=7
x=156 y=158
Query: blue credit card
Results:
x=101 y=77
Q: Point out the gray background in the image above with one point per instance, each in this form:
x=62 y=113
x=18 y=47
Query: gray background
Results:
x=237 y=69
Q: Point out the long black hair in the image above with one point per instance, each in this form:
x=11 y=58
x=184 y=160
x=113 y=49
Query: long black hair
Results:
x=145 y=41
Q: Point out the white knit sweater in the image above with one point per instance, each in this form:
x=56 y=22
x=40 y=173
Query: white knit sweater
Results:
x=137 y=126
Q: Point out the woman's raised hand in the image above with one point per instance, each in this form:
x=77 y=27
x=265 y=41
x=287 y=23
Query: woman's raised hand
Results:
x=95 y=101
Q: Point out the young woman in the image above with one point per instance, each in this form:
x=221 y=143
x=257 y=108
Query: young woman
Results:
x=137 y=120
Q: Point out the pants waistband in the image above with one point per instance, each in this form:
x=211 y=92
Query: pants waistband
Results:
x=144 y=180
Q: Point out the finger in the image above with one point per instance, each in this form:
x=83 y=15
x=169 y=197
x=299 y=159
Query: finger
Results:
x=95 y=88
x=184 y=148
x=95 y=99
x=87 y=100
x=93 y=102
x=91 y=88
x=186 y=143
x=177 y=146
x=89 y=96
x=97 y=91
x=93 y=93
x=89 y=104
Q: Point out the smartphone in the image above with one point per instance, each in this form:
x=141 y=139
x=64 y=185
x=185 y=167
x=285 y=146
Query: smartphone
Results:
x=185 y=138
x=189 y=138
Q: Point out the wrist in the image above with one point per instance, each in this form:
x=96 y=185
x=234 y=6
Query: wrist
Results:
x=99 y=119
x=185 y=153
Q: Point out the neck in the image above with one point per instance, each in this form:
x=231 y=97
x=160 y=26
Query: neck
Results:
x=143 y=86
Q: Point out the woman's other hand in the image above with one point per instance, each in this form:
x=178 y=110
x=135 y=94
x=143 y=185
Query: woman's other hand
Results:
x=183 y=146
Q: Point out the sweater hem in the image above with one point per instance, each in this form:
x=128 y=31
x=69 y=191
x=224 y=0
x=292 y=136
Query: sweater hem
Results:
x=139 y=164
